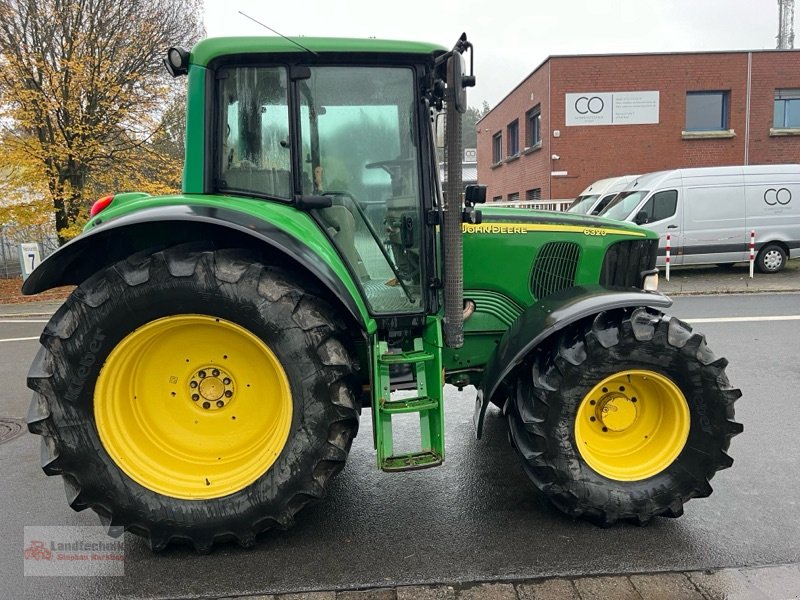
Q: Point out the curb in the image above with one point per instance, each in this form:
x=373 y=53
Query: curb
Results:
x=777 y=582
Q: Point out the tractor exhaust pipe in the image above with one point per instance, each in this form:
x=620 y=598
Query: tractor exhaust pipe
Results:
x=452 y=242
x=453 y=325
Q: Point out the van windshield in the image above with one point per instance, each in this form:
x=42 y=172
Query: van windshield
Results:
x=604 y=202
x=623 y=205
x=582 y=204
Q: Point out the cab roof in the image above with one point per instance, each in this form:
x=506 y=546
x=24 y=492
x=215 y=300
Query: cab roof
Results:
x=210 y=48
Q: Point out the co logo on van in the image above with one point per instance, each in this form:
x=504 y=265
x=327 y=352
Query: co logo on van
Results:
x=780 y=196
x=585 y=105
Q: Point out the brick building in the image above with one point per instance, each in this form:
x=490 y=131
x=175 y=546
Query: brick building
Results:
x=577 y=119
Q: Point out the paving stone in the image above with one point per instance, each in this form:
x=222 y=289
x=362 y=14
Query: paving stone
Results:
x=776 y=582
x=605 y=588
x=419 y=592
x=376 y=594
x=549 y=589
x=488 y=591
x=729 y=584
x=665 y=586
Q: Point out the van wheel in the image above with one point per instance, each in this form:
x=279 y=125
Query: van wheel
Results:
x=771 y=258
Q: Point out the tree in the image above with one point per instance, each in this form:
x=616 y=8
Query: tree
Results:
x=83 y=90
x=469 y=136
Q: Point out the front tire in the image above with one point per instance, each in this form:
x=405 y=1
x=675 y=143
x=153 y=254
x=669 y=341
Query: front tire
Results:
x=197 y=396
x=625 y=417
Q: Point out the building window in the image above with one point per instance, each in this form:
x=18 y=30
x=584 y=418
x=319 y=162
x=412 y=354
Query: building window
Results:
x=513 y=197
x=513 y=138
x=706 y=111
x=497 y=199
x=534 y=194
x=787 y=109
x=497 y=148
x=534 y=119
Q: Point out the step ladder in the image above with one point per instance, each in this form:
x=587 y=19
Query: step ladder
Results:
x=425 y=359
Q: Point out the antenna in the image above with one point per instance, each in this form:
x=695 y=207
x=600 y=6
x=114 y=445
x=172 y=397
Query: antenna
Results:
x=785 y=35
x=298 y=44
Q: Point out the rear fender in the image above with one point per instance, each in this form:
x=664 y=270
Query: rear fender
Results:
x=121 y=237
x=540 y=321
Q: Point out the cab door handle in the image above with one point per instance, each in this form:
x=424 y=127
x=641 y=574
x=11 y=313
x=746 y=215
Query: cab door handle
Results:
x=672 y=226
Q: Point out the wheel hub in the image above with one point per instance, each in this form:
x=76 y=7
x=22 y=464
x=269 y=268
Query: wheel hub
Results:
x=632 y=425
x=181 y=406
x=211 y=388
x=616 y=412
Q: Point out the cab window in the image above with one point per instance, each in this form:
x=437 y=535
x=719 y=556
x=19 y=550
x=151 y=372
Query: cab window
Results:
x=661 y=205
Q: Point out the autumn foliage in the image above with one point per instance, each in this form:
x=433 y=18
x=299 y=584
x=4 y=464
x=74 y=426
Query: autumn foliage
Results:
x=86 y=107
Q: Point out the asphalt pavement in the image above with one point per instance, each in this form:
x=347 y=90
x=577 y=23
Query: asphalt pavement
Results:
x=474 y=527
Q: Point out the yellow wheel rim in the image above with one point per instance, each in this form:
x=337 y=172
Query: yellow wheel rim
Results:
x=632 y=425
x=193 y=407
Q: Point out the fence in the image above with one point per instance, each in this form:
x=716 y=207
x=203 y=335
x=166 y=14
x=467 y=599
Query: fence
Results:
x=554 y=205
x=10 y=239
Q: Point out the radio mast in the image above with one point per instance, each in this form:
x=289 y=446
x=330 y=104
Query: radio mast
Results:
x=785 y=24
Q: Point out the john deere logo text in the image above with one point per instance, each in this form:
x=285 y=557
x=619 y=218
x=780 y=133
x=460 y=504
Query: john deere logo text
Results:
x=492 y=228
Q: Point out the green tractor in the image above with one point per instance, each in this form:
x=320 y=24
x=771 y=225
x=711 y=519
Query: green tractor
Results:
x=205 y=380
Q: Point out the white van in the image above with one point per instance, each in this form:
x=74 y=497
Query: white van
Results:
x=710 y=212
x=597 y=196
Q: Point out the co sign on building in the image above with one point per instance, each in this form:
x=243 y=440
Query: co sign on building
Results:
x=612 y=108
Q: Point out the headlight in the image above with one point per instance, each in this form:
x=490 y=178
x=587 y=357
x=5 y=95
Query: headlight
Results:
x=651 y=283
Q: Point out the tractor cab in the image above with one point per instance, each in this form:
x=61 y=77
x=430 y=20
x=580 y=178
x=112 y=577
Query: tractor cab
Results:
x=351 y=143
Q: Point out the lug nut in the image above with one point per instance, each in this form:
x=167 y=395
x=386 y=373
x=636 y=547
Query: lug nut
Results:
x=228 y=394
x=201 y=374
x=192 y=384
x=215 y=372
x=226 y=381
x=206 y=405
x=195 y=397
x=220 y=404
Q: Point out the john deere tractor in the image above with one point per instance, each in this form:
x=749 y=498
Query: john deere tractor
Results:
x=205 y=380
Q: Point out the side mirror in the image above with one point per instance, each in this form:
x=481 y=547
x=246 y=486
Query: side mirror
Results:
x=474 y=194
x=455 y=78
x=641 y=218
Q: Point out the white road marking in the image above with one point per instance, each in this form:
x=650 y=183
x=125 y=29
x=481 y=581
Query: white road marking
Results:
x=744 y=319
x=24 y=321
x=20 y=339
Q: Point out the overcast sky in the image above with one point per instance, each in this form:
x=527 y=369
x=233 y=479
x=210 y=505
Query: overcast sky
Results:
x=512 y=37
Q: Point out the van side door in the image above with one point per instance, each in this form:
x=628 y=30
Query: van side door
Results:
x=714 y=223
x=661 y=213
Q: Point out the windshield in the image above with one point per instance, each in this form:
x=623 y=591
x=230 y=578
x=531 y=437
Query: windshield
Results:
x=622 y=206
x=582 y=204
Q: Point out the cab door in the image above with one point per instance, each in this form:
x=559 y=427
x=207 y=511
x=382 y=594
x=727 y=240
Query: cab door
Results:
x=662 y=213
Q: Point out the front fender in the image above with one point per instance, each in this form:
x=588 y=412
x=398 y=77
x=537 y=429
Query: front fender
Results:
x=170 y=224
x=541 y=320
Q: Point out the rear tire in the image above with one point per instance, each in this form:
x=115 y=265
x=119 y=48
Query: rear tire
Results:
x=556 y=433
x=229 y=302
x=771 y=258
